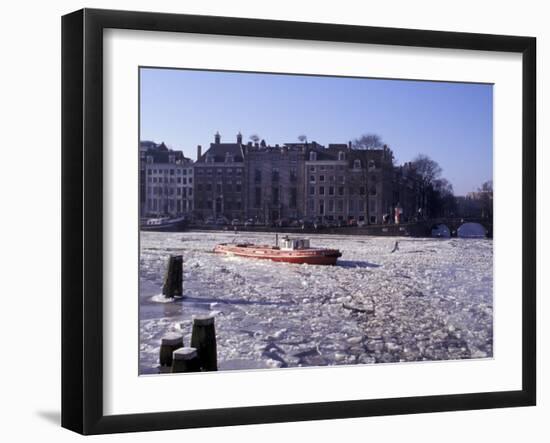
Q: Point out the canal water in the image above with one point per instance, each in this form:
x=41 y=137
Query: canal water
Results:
x=429 y=299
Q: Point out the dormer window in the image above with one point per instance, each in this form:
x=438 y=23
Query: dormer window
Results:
x=228 y=157
x=312 y=156
x=209 y=158
x=149 y=159
x=171 y=158
x=372 y=165
x=341 y=156
x=357 y=164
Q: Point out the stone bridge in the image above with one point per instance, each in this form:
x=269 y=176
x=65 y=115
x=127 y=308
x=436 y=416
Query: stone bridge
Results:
x=454 y=223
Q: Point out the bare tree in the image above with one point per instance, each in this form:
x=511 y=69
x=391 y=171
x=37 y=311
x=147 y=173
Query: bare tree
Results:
x=485 y=197
x=302 y=138
x=255 y=138
x=427 y=169
x=368 y=141
x=427 y=172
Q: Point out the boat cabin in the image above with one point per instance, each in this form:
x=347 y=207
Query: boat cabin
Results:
x=289 y=244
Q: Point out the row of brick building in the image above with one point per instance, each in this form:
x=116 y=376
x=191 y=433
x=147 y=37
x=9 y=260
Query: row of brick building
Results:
x=294 y=181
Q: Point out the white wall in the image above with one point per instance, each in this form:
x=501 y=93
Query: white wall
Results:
x=30 y=307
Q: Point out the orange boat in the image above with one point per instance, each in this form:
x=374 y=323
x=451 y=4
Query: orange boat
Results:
x=291 y=250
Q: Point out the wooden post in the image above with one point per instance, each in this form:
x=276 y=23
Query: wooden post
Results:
x=168 y=344
x=186 y=360
x=173 y=278
x=203 y=338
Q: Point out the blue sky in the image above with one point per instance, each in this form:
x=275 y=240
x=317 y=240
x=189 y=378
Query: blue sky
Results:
x=450 y=122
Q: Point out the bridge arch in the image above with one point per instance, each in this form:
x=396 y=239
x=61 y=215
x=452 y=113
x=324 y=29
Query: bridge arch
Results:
x=472 y=229
x=440 y=230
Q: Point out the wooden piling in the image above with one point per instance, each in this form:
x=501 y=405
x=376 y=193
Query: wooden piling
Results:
x=185 y=360
x=173 y=282
x=168 y=344
x=203 y=338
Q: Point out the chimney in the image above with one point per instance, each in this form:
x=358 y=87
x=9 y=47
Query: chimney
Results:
x=217 y=138
x=349 y=144
x=239 y=138
x=199 y=151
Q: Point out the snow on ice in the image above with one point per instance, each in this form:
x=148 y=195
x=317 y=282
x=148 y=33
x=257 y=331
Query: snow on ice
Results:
x=430 y=299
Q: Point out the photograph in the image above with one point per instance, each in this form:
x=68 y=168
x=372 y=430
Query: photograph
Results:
x=290 y=220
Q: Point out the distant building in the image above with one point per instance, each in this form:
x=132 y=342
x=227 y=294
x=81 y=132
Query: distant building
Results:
x=274 y=177
x=271 y=184
x=166 y=187
x=345 y=184
x=219 y=180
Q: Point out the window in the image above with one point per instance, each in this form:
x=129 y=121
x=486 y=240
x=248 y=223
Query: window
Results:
x=340 y=205
x=179 y=179
x=209 y=187
x=361 y=190
x=357 y=164
x=312 y=178
x=352 y=205
x=149 y=171
x=312 y=190
x=258 y=197
x=293 y=198
x=275 y=175
x=312 y=156
x=311 y=205
x=321 y=178
x=341 y=155
x=275 y=195
x=321 y=207
x=372 y=165
x=238 y=188
x=293 y=175
x=219 y=188
x=172 y=171
x=331 y=206
x=321 y=190
x=312 y=169
x=331 y=190
x=341 y=179
x=179 y=191
x=199 y=187
x=340 y=190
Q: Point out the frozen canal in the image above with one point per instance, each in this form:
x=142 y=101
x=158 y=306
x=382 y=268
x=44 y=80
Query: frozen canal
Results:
x=431 y=299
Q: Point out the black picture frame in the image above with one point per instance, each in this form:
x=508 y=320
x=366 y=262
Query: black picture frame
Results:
x=82 y=216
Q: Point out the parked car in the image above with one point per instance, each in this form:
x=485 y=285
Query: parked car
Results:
x=361 y=223
x=210 y=221
x=235 y=222
x=249 y=222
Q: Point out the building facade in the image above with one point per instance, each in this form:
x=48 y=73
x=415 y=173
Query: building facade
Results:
x=219 y=181
x=166 y=187
x=274 y=177
x=271 y=184
x=348 y=185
